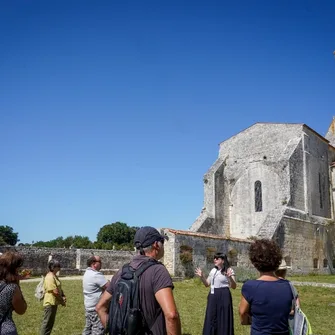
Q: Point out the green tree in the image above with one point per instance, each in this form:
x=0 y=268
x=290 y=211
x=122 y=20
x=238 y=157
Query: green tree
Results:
x=118 y=233
x=2 y=241
x=8 y=236
x=68 y=242
x=82 y=242
x=56 y=243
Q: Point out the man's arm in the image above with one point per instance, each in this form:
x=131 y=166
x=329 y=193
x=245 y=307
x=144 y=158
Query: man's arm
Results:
x=101 y=281
x=102 y=307
x=104 y=287
x=166 y=301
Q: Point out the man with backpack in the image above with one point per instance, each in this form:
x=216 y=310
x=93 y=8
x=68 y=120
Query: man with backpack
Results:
x=139 y=299
x=94 y=283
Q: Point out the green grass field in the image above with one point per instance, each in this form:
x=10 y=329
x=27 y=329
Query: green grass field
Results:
x=191 y=301
x=330 y=279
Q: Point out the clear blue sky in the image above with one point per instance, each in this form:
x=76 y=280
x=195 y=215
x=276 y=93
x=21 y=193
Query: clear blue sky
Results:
x=113 y=110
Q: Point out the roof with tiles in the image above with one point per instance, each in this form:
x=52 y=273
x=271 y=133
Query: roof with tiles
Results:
x=204 y=235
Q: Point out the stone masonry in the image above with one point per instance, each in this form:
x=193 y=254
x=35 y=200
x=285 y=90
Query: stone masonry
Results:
x=274 y=181
x=73 y=261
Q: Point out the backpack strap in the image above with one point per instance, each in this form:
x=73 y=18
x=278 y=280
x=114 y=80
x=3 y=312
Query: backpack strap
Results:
x=145 y=266
x=294 y=300
x=138 y=274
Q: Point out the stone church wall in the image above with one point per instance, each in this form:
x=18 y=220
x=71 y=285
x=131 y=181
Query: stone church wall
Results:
x=308 y=247
x=185 y=251
x=297 y=184
x=317 y=175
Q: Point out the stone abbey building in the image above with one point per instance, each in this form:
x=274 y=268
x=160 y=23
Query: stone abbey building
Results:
x=273 y=181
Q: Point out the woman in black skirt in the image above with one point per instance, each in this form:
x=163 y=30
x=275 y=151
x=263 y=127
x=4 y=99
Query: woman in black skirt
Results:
x=219 y=318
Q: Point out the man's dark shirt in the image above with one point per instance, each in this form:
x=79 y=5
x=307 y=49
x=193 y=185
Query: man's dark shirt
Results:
x=155 y=278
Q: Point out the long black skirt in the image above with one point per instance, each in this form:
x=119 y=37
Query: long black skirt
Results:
x=219 y=318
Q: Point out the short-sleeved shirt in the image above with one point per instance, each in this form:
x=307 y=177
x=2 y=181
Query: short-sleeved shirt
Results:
x=270 y=305
x=93 y=282
x=51 y=282
x=217 y=279
x=155 y=278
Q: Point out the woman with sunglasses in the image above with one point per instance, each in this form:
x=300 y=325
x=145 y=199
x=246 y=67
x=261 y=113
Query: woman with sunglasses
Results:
x=219 y=319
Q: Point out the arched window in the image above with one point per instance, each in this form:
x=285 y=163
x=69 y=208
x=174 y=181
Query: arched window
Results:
x=320 y=191
x=186 y=254
x=258 y=196
x=210 y=252
x=325 y=263
x=315 y=263
x=232 y=256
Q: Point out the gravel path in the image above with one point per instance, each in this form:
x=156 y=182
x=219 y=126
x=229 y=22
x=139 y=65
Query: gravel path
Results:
x=61 y=278
x=305 y=283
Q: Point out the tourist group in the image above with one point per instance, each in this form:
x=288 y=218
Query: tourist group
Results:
x=139 y=298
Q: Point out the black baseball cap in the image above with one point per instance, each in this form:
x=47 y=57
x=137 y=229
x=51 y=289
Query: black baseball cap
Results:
x=146 y=236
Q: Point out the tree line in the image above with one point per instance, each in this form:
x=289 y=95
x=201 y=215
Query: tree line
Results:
x=117 y=235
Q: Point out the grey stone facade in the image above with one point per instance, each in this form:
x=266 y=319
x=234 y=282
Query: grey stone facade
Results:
x=275 y=181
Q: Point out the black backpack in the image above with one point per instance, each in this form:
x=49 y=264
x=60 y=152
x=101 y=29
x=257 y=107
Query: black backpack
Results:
x=125 y=314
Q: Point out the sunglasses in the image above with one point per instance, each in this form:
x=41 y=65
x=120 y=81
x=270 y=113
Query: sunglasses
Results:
x=218 y=258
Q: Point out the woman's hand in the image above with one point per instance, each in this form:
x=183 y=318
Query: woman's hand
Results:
x=231 y=278
x=198 y=272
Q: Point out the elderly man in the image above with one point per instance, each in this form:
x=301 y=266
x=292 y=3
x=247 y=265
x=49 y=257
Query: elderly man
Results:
x=94 y=283
x=156 y=297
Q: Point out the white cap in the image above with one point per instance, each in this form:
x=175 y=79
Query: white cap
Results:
x=282 y=265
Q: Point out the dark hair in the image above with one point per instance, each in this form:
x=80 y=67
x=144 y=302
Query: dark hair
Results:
x=53 y=263
x=91 y=260
x=9 y=263
x=226 y=264
x=265 y=255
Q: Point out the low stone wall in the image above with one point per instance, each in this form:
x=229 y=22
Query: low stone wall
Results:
x=112 y=260
x=73 y=261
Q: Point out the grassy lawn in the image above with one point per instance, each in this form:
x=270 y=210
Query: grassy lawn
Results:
x=191 y=301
